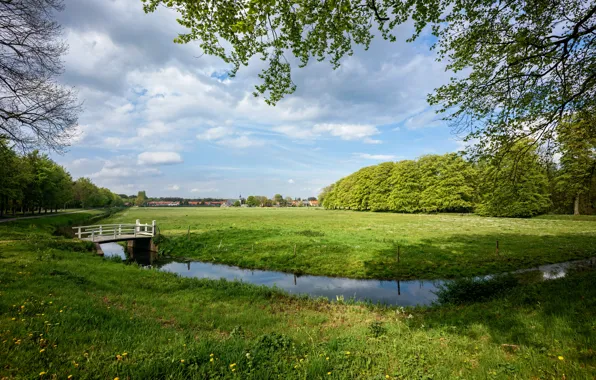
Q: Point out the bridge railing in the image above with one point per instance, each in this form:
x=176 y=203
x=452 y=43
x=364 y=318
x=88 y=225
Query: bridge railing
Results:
x=116 y=230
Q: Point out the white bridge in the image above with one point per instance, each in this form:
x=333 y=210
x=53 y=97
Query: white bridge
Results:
x=106 y=233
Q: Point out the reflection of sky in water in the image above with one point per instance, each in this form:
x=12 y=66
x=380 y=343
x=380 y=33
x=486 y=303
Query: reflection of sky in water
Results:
x=418 y=292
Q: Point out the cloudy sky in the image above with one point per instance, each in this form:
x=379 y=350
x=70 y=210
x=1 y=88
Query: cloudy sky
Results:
x=164 y=118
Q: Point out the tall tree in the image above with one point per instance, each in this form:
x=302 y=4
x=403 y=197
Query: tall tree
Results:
x=516 y=186
x=35 y=111
x=524 y=66
x=141 y=198
x=577 y=175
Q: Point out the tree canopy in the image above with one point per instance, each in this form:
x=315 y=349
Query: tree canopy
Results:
x=447 y=183
x=522 y=66
x=35 y=111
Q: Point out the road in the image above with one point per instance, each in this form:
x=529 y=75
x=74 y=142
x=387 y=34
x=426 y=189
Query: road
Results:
x=39 y=216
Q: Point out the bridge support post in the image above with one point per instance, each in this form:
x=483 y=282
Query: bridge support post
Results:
x=153 y=228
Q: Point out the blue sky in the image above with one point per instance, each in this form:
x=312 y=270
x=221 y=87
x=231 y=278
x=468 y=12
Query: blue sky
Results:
x=164 y=118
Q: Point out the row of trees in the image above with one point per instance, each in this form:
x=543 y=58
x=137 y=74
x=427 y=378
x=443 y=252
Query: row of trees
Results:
x=520 y=184
x=34 y=183
x=278 y=199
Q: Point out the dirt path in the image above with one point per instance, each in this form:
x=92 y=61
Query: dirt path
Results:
x=39 y=216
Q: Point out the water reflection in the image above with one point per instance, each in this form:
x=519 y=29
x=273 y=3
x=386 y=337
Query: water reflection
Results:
x=408 y=293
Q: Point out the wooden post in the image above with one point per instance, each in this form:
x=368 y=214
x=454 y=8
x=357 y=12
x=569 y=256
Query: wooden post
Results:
x=79 y=232
x=100 y=231
x=120 y=229
x=137 y=227
x=497 y=249
x=153 y=228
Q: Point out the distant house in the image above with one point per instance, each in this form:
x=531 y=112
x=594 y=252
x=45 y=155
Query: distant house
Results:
x=230 y=202
x=313 y=203
x=193 y=203
x=163 y=204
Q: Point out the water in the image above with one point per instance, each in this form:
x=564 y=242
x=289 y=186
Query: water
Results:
x=403 y=293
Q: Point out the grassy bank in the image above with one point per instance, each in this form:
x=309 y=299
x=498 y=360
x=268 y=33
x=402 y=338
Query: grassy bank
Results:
x=364 y=245
x=65 y=311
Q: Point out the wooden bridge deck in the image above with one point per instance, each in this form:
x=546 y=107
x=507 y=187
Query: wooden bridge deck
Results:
x=112 y=238
x=106 y=233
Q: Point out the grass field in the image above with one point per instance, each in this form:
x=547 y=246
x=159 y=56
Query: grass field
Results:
x=64 y=311
x=364 y=244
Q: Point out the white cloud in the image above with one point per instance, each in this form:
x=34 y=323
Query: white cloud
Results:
x=159 y=158
x=215 y=133
x=241 y=142
x=173 y=187
x=348 y=131
x=290 y=181
x=379 y=157
x=204 y=190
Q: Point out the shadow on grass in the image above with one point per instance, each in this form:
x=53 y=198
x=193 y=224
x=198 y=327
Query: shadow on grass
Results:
x=465 y=255
x=555 y=318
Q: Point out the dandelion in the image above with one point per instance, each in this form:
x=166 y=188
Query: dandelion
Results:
x=211 y=360
x=22 y=306
x=181 y=360
x=327 y=358
x=347 y=352
x=118 y=357
x=211 y=355
x=561 y=358
x=42 y=350
x=61 y=311
x=329 y=373
x=42 y=373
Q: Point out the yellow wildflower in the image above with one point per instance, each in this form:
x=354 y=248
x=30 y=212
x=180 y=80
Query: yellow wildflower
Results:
x=125 y=353
x=561 y=358
x=69 y=376
x=118 y=357
x=327 y=358
x=211 y=360
x=22 y=306
x=61 y=311
x=328 y=373
x=42 y=350
x=387 y=376
x=211 y=355
x=14 y=319
x=116 y=378
x=181 y=360
x=233 y=369
x=347 y=352
x=232 y=365
x=42 y=373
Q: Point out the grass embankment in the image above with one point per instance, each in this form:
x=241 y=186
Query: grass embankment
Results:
x=65 y=311
x=364 y=245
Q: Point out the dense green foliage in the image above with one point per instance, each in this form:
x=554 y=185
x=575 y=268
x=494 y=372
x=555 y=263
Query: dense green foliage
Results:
x=33 y=182
x=525 y=66
x=365 y=244
x=446 y=183
x=66 y=312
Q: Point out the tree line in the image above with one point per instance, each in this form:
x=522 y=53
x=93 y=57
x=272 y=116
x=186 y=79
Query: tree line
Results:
x=518 y=184
x=32 y=183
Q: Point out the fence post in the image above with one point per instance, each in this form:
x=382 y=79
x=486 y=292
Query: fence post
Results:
x=79 y=232
x=137 y=227
x=100 y=231
x=120 y=229
x=153 y=228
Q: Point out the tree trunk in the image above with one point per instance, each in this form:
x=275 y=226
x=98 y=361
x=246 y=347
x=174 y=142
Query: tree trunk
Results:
x=576 y=205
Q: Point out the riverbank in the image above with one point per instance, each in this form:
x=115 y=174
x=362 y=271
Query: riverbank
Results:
x=365 y=245
x=65 y=311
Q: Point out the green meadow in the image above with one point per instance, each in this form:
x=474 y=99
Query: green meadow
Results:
x=65 y=312
x=364 y=244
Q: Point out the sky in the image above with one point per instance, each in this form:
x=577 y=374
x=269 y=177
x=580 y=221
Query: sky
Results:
x=165 y=118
